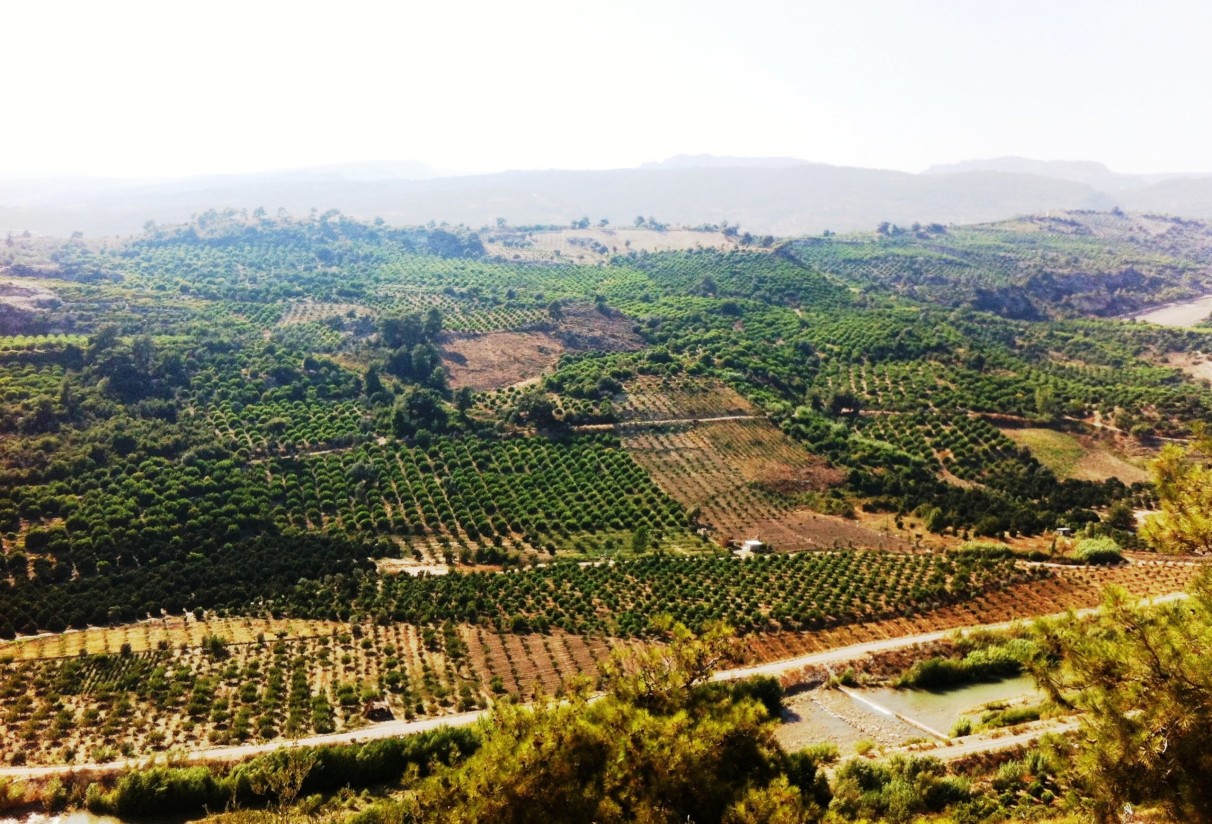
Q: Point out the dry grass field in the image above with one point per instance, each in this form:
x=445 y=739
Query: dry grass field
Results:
x=1078 y=456
x=498 y=359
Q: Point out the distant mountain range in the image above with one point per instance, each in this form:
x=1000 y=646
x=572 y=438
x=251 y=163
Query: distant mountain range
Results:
x=781 y=196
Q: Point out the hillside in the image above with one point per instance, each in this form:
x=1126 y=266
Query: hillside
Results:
x=399 y=392
x=265 y=477
x=1071 y=264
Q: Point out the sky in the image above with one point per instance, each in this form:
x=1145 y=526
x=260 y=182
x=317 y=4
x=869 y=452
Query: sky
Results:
x=172 y=89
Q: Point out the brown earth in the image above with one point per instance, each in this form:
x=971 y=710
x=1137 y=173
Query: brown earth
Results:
x=498 y=359
x=308 y=310
x=745 y=479
x=677 y=398
x=1198 y=366
x=1098 y=464
x=23 y=303
x=495 y=360
x=804 y=529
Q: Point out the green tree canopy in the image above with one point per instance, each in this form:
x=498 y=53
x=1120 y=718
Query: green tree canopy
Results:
x=1184 y=489
x=663 y=746
x=1142 y=678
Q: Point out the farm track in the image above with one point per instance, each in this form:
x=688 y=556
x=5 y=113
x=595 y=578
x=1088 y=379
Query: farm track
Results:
x=641 y=424
x=998 y=741
x=391 y=729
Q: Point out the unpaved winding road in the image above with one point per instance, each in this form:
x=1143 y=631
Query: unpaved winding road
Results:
x=392 y=729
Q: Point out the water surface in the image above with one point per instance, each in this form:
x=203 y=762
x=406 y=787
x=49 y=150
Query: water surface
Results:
x=940 y=710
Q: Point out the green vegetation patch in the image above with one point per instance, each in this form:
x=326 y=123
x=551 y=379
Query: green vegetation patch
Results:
x=803 y=591
x=1058 y=451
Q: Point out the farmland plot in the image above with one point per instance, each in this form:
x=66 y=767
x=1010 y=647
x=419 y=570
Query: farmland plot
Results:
x=309 y=311
x=150 y=687
x=224 y=690
x=466 y=494
x=680 y=398
x=496 y=360
x=742 y=477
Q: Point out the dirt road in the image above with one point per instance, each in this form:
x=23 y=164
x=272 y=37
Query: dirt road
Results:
x=842 y=654
x=386 y=729
x=641 y=423
x=957 y=748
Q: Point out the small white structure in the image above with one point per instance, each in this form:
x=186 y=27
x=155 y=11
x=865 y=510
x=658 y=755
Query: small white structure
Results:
x=752 y=545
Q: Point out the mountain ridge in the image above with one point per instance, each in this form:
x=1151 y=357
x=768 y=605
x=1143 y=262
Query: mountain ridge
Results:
x=781 y=196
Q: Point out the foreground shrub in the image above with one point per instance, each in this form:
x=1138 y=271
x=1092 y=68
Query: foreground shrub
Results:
x=897 y=791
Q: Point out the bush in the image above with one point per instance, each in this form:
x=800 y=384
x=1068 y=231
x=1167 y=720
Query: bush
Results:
x=1012 y=716
x=763 y=689
x=12 y=795
x=1098 y=551
x=804 y=771
x=935 y=673
x=899 y=790
x=983 y=549
x=164 y=789
x=987 y=663
x=822 y=753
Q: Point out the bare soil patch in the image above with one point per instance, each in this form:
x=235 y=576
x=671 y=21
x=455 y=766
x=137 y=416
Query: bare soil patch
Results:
x=1198 y=366
x=584 y=328
x=308 y=311
x=744 y=478
x=679 y=398
x=1180 y=314
x=22 y=303
x=1100 y=464
x=403 y=566
x=495 y=360
x=804 y=529
x=498 y=359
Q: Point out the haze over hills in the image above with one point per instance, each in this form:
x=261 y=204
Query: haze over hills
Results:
x=781 y=196
x=1079 y=171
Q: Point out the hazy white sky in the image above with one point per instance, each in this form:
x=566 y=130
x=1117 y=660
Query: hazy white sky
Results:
x=173 y=88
